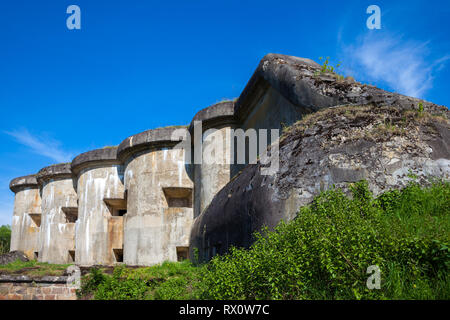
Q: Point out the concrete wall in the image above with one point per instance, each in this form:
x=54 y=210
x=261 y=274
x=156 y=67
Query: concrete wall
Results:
x=152 y=230
x=57 y=236
x=96 y=231
x=35 y=288
x=270 y=111
x=25 y=231
x=211 y=177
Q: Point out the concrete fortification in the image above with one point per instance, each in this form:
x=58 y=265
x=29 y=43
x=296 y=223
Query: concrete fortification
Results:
x=149 y=200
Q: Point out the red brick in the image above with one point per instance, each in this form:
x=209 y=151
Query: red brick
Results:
x=46 y=290
x=19 y=290
x=49 y=297
x=58 y=290
x=14 y=297
x=67 y=297
x=4 y=290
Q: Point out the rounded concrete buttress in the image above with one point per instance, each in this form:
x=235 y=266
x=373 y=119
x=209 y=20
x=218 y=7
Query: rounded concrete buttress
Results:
x=59 y=202
x=27 y=216
x=159 y=198
x=214 y=171
x=99 y=228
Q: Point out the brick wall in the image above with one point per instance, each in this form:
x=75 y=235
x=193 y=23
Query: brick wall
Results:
x=24 y=288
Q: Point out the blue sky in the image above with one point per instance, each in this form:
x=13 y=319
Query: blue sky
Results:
x=137 y=65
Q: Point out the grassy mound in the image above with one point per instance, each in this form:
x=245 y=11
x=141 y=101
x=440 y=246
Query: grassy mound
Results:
x=168 y=281
x=33 y=268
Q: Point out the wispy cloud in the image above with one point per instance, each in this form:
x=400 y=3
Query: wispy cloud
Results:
x=41 y=145
x=405 y=66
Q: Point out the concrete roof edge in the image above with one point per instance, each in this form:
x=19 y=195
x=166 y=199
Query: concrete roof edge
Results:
x=269 y=71
x=21 y=182
x=61 y=170
x=107 y=156
x=216 y=113
x=154 y=138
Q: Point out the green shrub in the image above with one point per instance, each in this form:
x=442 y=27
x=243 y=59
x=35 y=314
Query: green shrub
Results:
x=322 y=254
x=91 y=282
x=325 y=252
x=122 y=285
x=5 y=239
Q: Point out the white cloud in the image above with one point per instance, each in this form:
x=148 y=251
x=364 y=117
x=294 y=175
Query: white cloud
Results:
x=43 y=146
x=405 y=66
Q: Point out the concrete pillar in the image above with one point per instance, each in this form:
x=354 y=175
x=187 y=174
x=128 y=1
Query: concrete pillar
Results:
x=59 y=205
x=27 y=215
x=101 y=199
x=210 y=177
x=159 y=198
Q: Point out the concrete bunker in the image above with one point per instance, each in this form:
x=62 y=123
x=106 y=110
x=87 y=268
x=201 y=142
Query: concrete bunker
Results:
x=136 y=203
x=159 y=210
x=101 y=201
x=27 y=215
x=57 y=236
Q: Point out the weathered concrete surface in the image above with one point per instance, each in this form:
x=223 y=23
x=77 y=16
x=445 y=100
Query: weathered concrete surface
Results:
x=103 y=156
x=150 y=139
x=99 y=176
x=214 y=172
x=337 y=146
x=152 y=229
x=300 y=82
x=216 y=115
x=26 y=219
x=57 y=235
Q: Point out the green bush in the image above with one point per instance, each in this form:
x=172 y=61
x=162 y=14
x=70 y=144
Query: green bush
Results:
x=325 y=252
x=322 y=254
x=5 y=239
x=91 y=282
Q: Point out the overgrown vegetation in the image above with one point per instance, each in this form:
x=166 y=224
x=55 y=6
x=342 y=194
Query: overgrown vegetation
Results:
x=326 y=67
x=33 y=268
x=386 y=121
x=5 y=239
x=168 y=281
x=323 y=254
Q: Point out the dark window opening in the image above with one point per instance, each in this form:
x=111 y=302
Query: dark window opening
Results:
x=36 y=255
x=118 y=254
x=36 y=217
x=121 y=212
x=117 y=206
x=71 y=214
x=178 y=197
x=72 y=255
x=178 y=202
x=182 y=253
